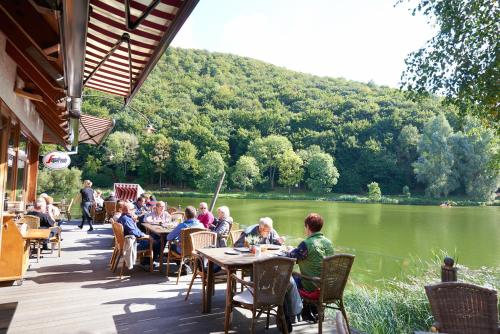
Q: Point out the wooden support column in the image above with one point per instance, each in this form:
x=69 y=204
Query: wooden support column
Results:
x=16 y=133
x=4 y=143
x=31 y=182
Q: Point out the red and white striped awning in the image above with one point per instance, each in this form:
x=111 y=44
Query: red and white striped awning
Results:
x=126 y=38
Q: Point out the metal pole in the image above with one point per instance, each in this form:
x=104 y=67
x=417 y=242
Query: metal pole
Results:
x=217 y=190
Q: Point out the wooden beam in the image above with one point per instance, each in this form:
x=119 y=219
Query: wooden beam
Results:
x=31 y=182
x=30 y=96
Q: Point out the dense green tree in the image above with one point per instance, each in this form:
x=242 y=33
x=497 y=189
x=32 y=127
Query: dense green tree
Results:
x=211 y=168
x=246 y=173
x=323 y=174
x=185 y=162
x=268 y=152
x=66 y=181
x=290 y=169
x=155 y=153
x=434 y=166
x=121 y=148
x=374 y=192
x=474 y=150
x=462 y=59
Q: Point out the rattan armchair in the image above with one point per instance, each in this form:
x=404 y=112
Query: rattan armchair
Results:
x=66 y=210
x=203 y=239
x=186 y=250
x=110 y=208
x=271 y=277
x=463 y=308
x=119 y=249
x=234 y=235
x=334 y=274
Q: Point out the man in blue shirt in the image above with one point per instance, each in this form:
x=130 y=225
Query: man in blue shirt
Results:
x=130 y=228
x=190 y=222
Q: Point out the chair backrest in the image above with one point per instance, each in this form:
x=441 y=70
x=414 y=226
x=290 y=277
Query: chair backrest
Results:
x=119 y=235
x=203 y=239
x=235 y=235
x=271 y=277
x=31 y=221
x=110 y=208
x=235 y=226
x=340 y=323
x=463 y=308
x=68 y=208
x=185 y=239
x=334 y=274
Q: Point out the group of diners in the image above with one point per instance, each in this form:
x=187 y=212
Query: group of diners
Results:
x=308 y=254
x=48 y=213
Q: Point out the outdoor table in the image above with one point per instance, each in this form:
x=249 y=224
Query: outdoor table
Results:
x=162 y=232
x=230 y=263
x=38 y=235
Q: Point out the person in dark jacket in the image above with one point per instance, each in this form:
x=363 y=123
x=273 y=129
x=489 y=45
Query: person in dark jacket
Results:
x=45 y=220
x=87 y=194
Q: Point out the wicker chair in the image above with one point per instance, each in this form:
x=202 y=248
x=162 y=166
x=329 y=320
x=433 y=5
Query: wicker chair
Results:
x=31 y=221
x=186 y=250
x=234 y=235
x=463 y=308
x=119 y=248
x=110 y=208
x=56 y=240
x=203 y=239
x=267 y=291
x=176 y=215
x=98 y=216
x=334 y=274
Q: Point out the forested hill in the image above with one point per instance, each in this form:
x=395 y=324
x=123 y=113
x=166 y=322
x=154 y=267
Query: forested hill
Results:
x=221 y=102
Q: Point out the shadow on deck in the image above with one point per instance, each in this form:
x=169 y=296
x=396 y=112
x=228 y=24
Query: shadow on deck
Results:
x=77 y=293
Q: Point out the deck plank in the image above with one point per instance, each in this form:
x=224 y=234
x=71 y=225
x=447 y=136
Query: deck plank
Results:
x=76 y=293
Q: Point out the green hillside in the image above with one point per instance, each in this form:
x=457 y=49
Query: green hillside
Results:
x=201 y=101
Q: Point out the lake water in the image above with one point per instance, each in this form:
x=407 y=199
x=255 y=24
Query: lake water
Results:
x=385 y=238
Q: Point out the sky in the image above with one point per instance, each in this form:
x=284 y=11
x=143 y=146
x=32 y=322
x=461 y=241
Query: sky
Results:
x=361 y=40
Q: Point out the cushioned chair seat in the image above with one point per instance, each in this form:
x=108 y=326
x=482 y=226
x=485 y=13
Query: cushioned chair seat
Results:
x=244 y=297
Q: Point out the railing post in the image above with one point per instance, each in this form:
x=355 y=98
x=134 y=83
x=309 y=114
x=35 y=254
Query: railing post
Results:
x=448 y=271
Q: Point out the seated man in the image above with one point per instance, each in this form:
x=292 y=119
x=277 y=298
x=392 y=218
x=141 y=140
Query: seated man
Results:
x=264 y=231
x=111 y=197
x=309 y=254
x=99 y=201
x=39 y=211
x=158 y=214
x=130 y=228
x=190 y=222
x=205 y=217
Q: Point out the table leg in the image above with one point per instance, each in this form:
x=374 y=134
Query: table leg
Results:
x=151 y=240
x=229 y=300
x=207 y=303
x=38 y=251
x=162 y=249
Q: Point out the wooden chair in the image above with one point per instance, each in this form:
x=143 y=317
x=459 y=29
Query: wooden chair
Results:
x=463 y=308
x=119 y=246
x=234 y=235
x=186 y=250
x=110 y=208
x=334 y=274
x=202 y=239
x=66 y=210
x=267 y=292
x=98 y=216
x=56 y=240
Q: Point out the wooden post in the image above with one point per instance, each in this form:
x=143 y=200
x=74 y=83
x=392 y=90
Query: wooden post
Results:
x=448 y=271
x=217 y=190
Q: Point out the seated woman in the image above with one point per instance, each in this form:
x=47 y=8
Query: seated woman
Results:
x=222 y=225
x=264 y=231
x=99 y=201
x=309 y=254
x=52 y=210
x=190 y=222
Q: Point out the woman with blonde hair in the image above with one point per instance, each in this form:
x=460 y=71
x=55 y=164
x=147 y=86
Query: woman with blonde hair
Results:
x=52 y=210
x=87 y=194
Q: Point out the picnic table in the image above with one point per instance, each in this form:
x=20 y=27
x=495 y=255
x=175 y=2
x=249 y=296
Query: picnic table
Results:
x=162 y=232
x=37 y=235
x=231 y=263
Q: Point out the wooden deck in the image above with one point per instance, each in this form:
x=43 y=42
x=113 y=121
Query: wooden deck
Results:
x=77 y=293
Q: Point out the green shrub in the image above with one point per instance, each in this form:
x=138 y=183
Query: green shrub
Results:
x=65 y=182
x=374 y=192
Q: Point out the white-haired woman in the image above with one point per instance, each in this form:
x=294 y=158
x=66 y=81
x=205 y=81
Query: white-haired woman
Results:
x=222 y=225
x=264 y=231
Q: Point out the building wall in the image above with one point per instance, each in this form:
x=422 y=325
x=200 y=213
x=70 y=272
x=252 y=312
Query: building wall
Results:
x=21 y=107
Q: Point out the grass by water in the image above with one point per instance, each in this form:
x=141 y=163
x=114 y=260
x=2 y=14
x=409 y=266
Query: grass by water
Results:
x=401 y=305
